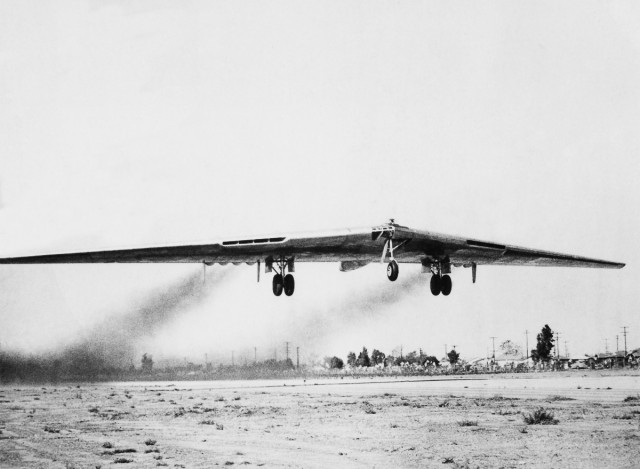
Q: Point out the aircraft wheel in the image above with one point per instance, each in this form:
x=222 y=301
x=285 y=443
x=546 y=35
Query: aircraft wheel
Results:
x=289 y=285
x=277 y=284
x=435 y=285
x=393 y=271
x=446 y=285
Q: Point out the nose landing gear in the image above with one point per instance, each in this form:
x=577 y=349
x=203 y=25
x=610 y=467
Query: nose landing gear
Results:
x=392 y=268
x=393 y=271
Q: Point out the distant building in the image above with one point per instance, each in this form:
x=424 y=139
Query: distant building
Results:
x=607 y=359
x=633 y=357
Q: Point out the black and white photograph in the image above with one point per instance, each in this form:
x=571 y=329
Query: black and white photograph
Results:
x=319 y=234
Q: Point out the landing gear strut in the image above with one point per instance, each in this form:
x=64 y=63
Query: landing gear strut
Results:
x=392 y=268
x=281 y=282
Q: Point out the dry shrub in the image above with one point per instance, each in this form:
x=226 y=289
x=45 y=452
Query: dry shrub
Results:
x=540 y=416
x=560 y=398
x=468 y=423
x=623 y=417
x=219 y=426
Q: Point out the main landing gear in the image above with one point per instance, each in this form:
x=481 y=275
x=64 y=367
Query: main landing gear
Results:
x=281 y=282
x=440 y=284
x=440 y=280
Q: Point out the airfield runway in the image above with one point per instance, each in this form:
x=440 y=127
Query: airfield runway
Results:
x=476 y=421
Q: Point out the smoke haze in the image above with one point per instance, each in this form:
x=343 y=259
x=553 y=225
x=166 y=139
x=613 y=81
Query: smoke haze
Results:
x=112 y=343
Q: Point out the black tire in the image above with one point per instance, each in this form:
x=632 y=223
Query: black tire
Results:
x=445 y=285
x=393 y=271
x=289 y=285
x=436 y=285
x=277 y=284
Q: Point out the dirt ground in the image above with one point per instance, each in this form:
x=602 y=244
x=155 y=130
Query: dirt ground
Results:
x=383 y=423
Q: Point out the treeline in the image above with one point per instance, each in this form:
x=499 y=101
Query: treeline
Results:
x=379 y=359
x=78 y=365
x=75 y=365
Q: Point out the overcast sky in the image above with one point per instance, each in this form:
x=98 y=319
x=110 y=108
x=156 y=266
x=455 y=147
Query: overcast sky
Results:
x=133 y=123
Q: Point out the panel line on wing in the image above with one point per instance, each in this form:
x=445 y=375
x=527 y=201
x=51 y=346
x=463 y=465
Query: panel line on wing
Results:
x=483 y=244
x=244 y=242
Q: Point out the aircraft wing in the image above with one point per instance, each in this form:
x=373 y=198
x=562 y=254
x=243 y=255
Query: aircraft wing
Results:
x=353 y=247
x=467 y=251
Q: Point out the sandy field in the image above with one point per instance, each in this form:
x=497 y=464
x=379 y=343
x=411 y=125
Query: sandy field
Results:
x=384 y=423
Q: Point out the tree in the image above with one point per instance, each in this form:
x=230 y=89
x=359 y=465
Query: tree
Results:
x=333 y=363
x=363 y=358
x=510 y=348
x=351 y=359
x=147 y=363
x=411 y=357
x=336 y=363
x=377 y=357
x=430 y=360
x=543 y=349
x=453 y=357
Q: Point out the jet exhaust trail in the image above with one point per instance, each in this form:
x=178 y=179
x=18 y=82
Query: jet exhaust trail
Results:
x=360 y=305
x=111 y=344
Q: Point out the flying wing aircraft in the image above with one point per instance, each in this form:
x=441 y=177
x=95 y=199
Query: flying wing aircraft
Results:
x=352 y=248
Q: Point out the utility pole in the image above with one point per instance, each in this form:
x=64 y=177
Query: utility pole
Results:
x=617 y=346
x=526 y=333
x=297 y=358
x=624 y=333
x=557 y=344
x=494 y=347
x=286 y=347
